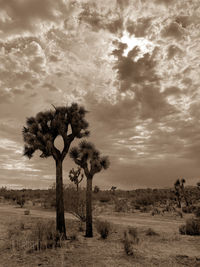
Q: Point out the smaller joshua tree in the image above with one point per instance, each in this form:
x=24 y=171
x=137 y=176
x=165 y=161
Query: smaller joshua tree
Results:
x=88 y=158
x=74 y=175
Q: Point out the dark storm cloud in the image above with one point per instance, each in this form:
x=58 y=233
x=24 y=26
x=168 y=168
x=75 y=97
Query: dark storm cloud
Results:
x=173 y=90
x=174 y=50
x=173 y=30
x=131 y=71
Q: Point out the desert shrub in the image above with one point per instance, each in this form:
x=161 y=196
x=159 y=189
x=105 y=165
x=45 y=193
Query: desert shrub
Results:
x=192 y=227
x=103 y=228
x=137 y=206
x=96 y=189
x=145 y=209
x=151 y=232
x=40 y=236
x=128 y=244
x=155 y=212
x=121 y=205
x=188 y=209
x=197 y=212
x=75 y=202
x=144 y=200
x=104 y=198
x=45 y=235
x=73 y=237
x=179 y=214
x=133 y=234
x=20 y=201
x=182 y=229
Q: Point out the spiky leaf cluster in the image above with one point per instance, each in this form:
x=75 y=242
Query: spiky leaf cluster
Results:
x=41 y=131
x=88 y=157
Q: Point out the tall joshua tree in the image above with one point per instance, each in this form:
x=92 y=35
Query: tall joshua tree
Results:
x=40 y=133
x=90 y=160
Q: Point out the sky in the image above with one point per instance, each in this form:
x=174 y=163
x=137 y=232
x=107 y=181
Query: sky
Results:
x=133 y=64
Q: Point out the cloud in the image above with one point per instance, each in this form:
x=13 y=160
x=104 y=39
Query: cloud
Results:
x=174 y=30
x=166 y=2
x=140 y=27
x=99 y=20
x=50 y=87
x=134 y=71
x=20 y=16
x=173 y=51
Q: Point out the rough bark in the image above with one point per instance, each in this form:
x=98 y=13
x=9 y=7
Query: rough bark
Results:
x=89 y=230
x=60 y=217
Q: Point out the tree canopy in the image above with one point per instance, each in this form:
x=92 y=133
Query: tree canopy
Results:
x=89 y=158
x=41 y=131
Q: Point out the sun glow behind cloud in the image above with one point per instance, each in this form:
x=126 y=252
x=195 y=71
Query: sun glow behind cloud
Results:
x=145 y=45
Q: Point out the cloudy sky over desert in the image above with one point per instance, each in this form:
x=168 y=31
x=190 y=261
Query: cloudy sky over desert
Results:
x=133 y=64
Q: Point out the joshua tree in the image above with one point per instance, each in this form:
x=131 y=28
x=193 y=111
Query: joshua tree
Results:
x=178 y=192
x=40 y=133
x=89 y=159
x=182 y=182
x=73 y=176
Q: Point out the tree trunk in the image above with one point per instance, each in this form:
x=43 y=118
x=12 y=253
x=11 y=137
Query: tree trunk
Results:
x=60 y=217
x=89 y=231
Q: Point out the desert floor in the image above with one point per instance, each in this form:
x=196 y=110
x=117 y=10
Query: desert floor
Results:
x=168 y=248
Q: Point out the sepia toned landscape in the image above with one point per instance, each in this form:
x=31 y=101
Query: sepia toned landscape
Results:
x=99 y=133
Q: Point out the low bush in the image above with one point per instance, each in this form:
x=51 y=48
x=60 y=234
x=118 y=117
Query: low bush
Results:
x=144 y=200
x=133 y=234
x=128 y=244
x=104 y=199
x=121 y=205
x=197 y=212
x=188 y=209
x=103 y=228
x=151 y=232
x=73 y=237
x=182 y=229
x=192 y=227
